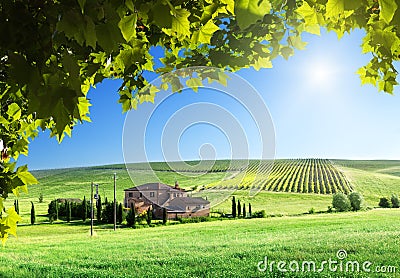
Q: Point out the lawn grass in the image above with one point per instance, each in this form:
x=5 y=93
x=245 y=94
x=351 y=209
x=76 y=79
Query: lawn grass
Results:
x=230 y=248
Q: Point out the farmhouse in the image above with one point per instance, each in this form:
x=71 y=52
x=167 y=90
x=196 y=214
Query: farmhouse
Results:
x=158 y=196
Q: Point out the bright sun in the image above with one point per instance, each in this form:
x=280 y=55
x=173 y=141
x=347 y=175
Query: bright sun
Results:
x=321 y=73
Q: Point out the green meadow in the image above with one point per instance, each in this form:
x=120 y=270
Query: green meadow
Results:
x=229 y=248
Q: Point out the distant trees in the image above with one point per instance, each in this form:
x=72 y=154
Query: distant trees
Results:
x=84 y=209
x=384 y=202
x=340 y=202
x=392 y=202
x=233 y=207
x=395 y=201
x=164 y=216
x=16 y=205
x=33 y=216
x=120 y=214
x=131 y=217
x=244 y=210
x=356 y=200
x=69 y=212
x=149 y=216
x=98 y=208
x=239 y=208
x=249 y=210
x=40 y=197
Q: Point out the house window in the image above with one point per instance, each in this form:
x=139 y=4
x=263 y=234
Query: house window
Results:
x=130 y=194
x=151 y=194
x=174 y=194
x=141 y=195
x=188 y=208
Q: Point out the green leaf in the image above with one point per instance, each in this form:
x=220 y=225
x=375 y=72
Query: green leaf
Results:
x=388 y=9
x=129 y=5
x=230 y=6
x=308 y=13
x=334 y=8
x=352 y=5
x=82 y=5
x=127 y=25
x=14 y=111
x=11 y=221
x=249 y=11
x=128 y=57
x=286 y=52
x=109 y=36
x=26 y=177
x=204 y=34
x=180 y=23
x=296 y=42
x=194 y=83
x=90 y=32
x=262 y=63
x=161 y=16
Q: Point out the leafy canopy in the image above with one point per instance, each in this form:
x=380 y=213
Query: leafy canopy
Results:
x=52 y=52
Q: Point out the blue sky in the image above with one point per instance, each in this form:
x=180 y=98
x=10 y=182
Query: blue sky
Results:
x=316 y=101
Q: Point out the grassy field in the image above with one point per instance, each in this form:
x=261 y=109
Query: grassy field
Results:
x=230 y=248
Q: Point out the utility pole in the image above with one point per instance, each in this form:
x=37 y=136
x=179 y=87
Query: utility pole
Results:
x=91 y=209
x=115 y=201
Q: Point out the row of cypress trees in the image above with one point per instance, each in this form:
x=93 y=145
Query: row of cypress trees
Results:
x=238 y=210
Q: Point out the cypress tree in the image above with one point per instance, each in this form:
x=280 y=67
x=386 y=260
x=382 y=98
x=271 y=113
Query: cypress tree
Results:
x=149 y=216
x=98 y=209
x=164 y=216
x=239 y=208
x=68 y=211
x=84 y=209
x=56 y=206
x=33 y=216
x=119 y=214
x=106 y=201
x=249 y=210
x=233 y=207
x=133 y=211
x=244 y=210
x=16 y=206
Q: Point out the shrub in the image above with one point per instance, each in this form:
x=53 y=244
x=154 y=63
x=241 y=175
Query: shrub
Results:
x=41 y=198
x=108 y=213
x=196 y=219
x=395 y=201
x=356 y=200
x=259 y=214
x=311 y=211
x=164 y=216
x=233 y=207
x=329 y=209
x=149 y=216
x=120 y=214
x=249 y=210
x=384 y=203
x=131 y=217
x=340 y=202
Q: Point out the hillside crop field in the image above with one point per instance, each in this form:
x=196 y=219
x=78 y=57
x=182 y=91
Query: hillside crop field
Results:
x=230 y=248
